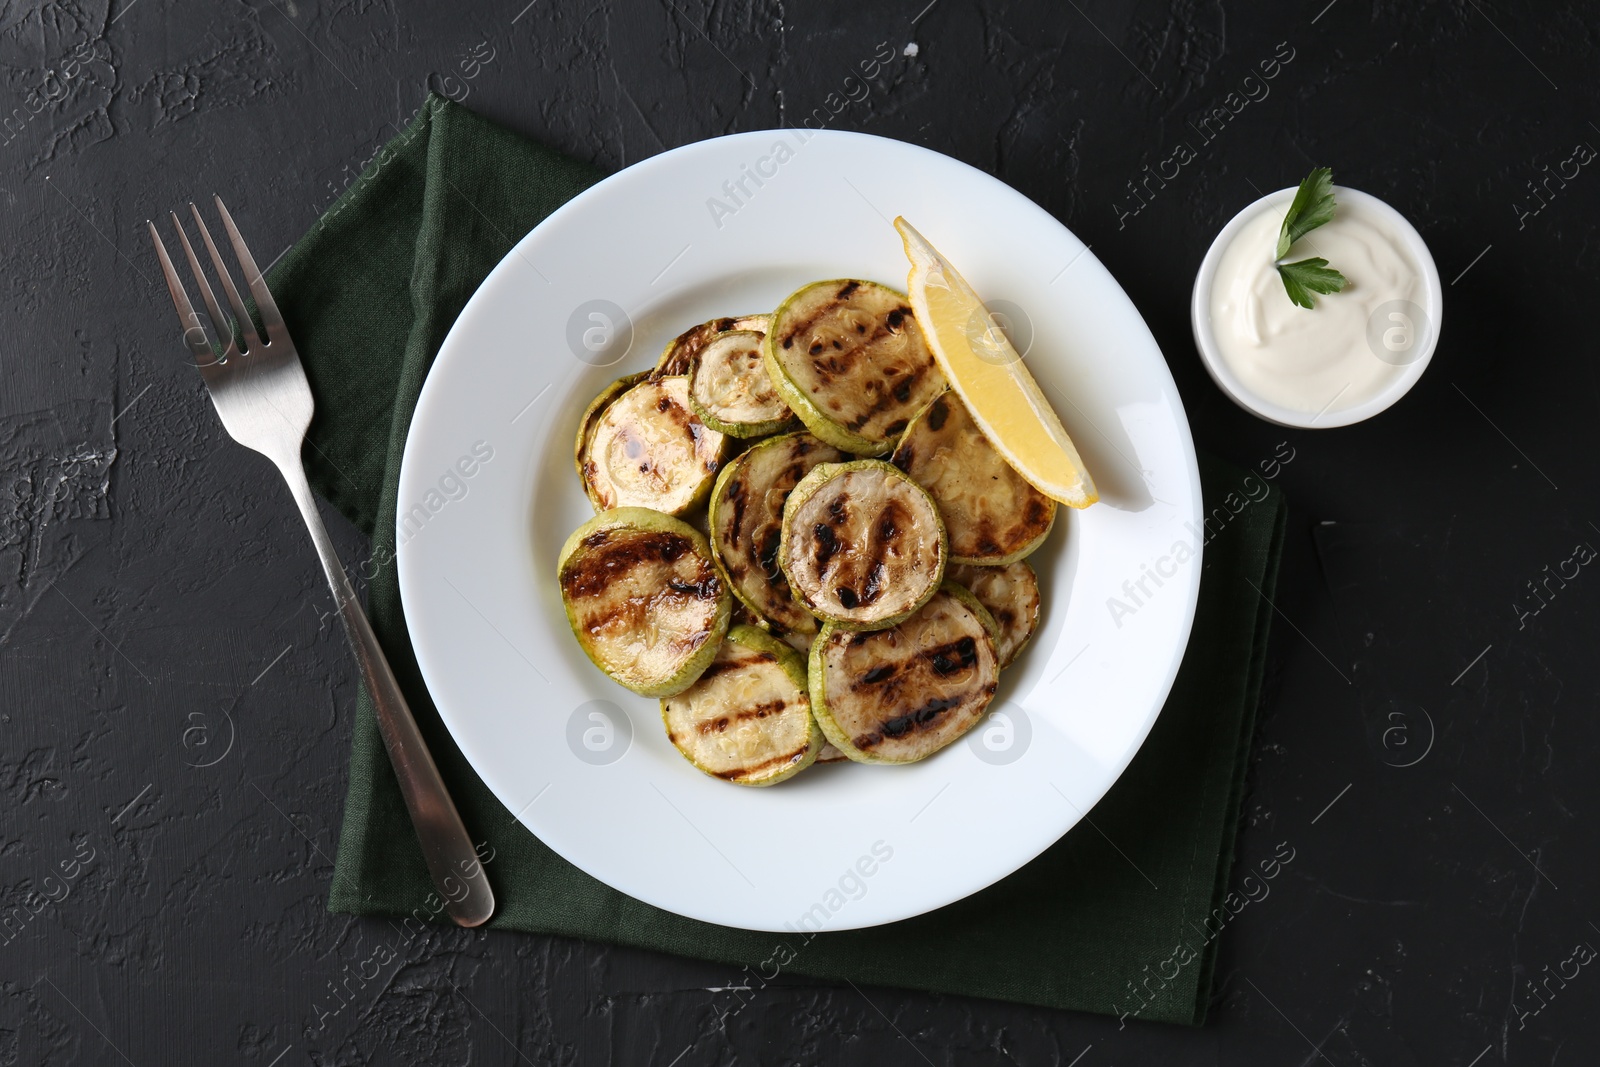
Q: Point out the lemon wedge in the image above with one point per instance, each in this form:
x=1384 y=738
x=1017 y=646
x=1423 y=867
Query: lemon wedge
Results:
x=988 y=374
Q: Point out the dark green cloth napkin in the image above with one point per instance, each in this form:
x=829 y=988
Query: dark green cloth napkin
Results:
x=1111 y=919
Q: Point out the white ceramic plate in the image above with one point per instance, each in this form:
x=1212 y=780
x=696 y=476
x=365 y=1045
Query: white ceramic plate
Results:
x=731 y=226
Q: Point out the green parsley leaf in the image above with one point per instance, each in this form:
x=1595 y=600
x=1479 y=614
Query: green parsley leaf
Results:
x=1312 y=207
x=1308 y=276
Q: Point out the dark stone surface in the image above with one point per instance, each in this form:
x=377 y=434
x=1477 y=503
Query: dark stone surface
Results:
x=174 y=716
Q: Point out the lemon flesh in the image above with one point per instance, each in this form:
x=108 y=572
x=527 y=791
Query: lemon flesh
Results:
x=990 y=377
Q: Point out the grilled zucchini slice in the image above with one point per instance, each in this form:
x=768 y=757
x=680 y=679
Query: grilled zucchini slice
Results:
x=1011 y=594
x=848 y=358
x=862 y=544
x=901 y=694
x=991 y=513
x=729 y=388
x=746 y=520
x=591 y=416
x=644 y=598
x=747 y=718
x=679 y=354
x=649 y=449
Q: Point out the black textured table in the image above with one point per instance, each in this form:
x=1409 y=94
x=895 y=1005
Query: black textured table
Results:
x=176 y=697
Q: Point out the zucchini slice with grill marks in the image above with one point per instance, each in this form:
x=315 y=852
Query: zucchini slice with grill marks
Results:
x=649 y=449
x=747 y=718
x=991 y=513
x=901 y=694
x=862 y=544
x=848 y=357
x=680 y=351
x=746 y=516
x=644 y=598
x=1011 y=594
x=729 y=388
x=592 y=413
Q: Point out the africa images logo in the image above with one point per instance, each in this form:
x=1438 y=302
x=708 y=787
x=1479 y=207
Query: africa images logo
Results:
x=599 y=732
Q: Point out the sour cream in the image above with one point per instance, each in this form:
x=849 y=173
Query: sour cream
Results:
x=1348 y=354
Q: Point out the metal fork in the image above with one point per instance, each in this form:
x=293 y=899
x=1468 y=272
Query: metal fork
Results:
x=261 y=394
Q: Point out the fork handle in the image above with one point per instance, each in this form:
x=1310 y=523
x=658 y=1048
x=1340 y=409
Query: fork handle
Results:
x=452 y=861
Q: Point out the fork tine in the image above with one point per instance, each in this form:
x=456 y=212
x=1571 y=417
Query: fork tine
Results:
x=247 y=327
x=270 y=318
x=219 y=321
x=194 y=333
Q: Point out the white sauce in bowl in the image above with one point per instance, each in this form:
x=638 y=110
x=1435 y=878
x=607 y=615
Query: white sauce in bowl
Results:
x=1348 y=349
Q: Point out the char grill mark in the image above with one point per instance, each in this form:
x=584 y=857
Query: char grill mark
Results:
x=831 y=362
x=593 y=572
x=924 y=718
x=803 y=327
x=775 y=761
x=874 y=586
x=879 y=545
x=826 y=543
x=760 y=711
x=738 y=496
x=704 y=588
x=952 y=658
x=721 y=666
x=877 y=675
x=890 y=521
x=632 y=612
x=885 y=399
